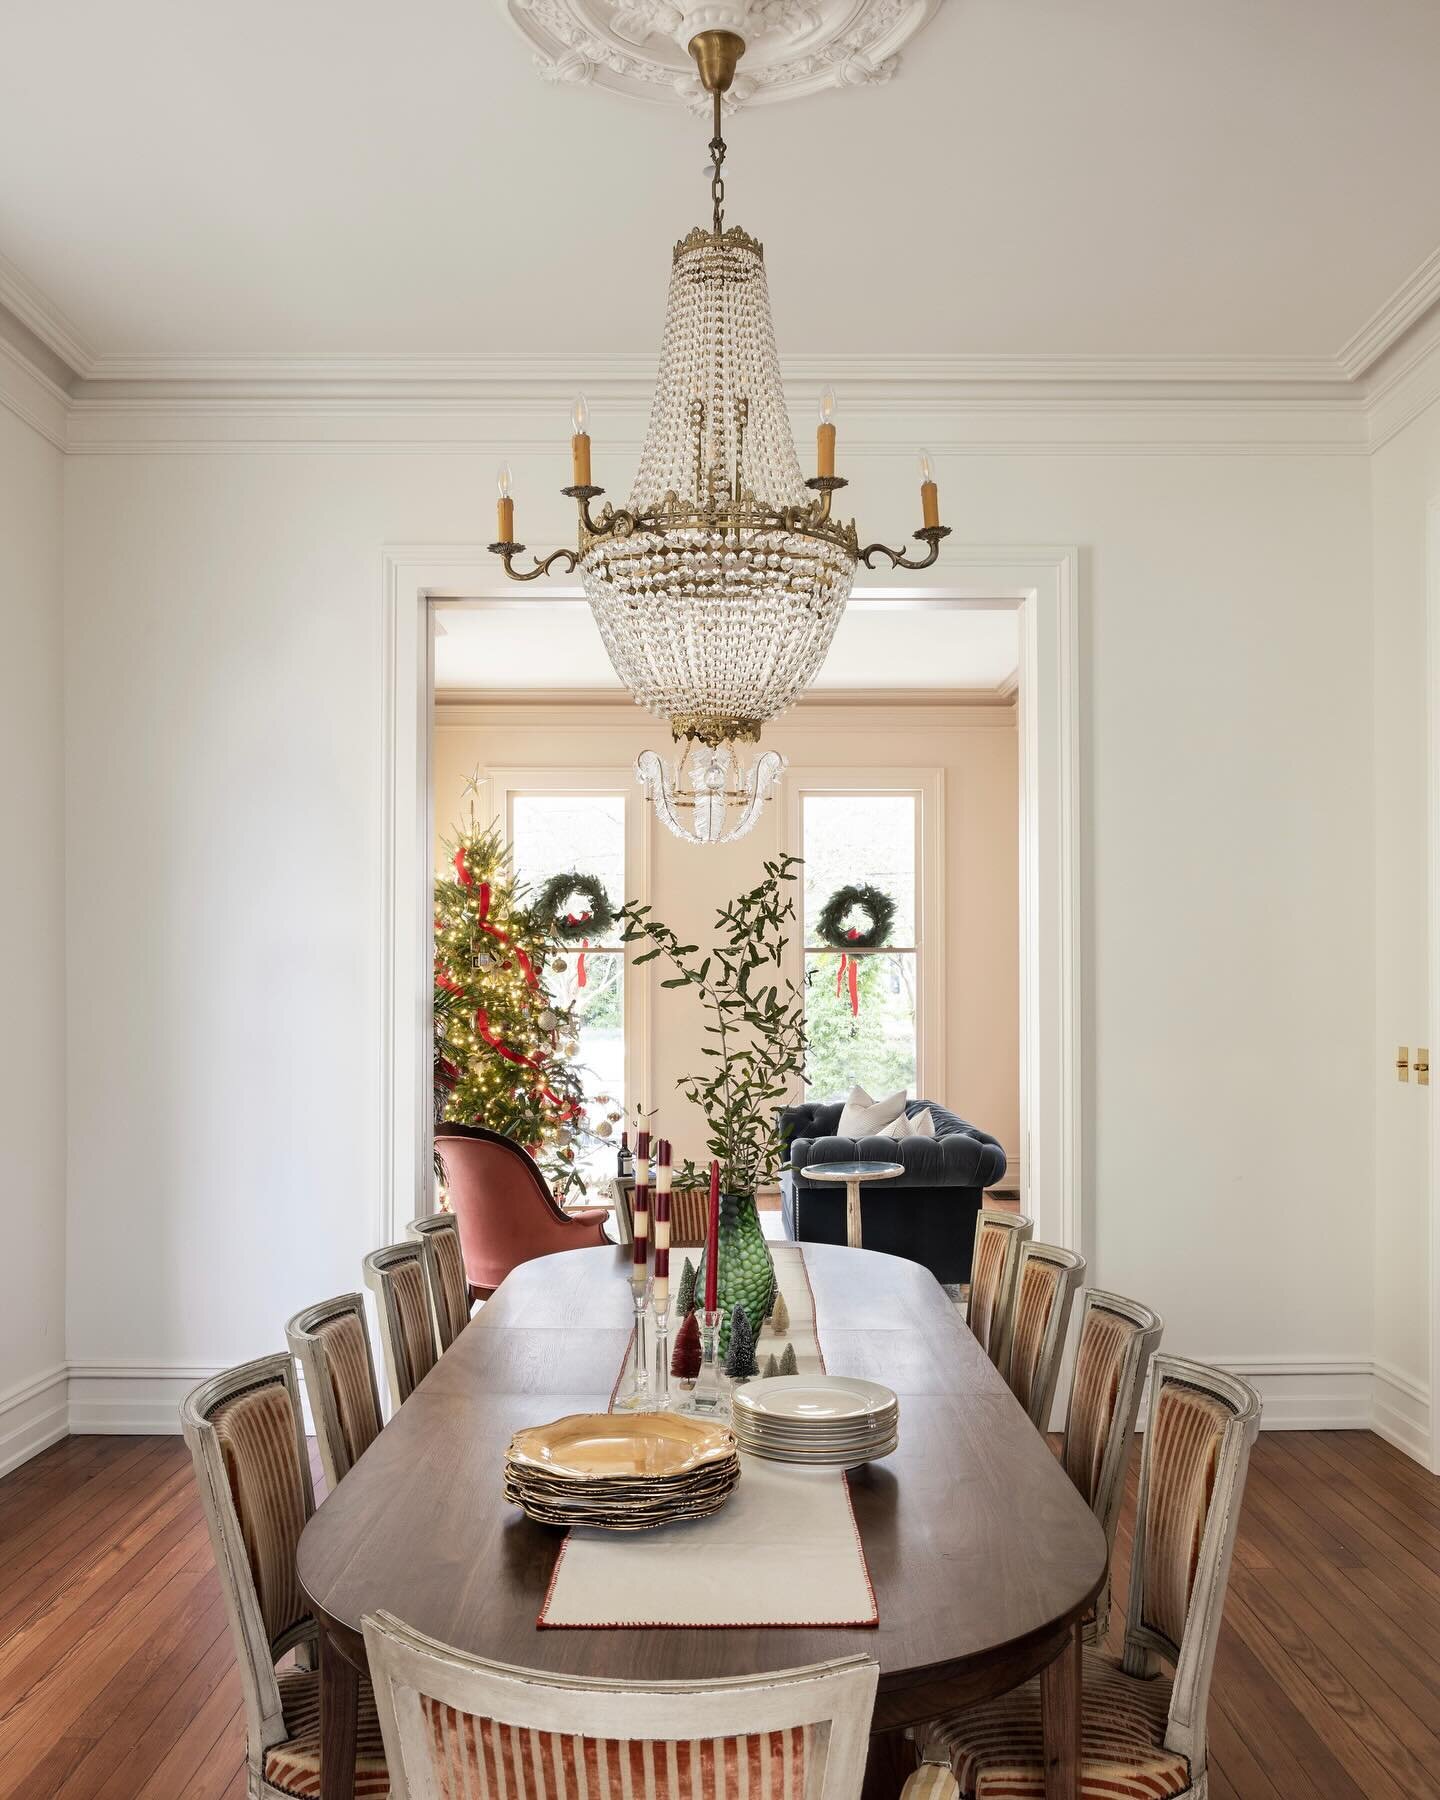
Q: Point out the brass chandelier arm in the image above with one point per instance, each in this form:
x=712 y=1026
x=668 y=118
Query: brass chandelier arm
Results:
x=928 y=534
x=508 y=552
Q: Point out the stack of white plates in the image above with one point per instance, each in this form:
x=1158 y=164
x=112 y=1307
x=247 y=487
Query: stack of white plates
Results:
x=831 y=1421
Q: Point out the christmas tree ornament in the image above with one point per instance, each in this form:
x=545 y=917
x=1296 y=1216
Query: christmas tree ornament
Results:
x=788 y=1364
x=559 y=966
x=603 y=1128
x=547 y=1020
x=740 y=1362
x=685 y=1360
x=779 y=1315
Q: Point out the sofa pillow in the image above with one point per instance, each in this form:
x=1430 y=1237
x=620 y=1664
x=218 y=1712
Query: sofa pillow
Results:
x=863 y=1117
x=921 y=1125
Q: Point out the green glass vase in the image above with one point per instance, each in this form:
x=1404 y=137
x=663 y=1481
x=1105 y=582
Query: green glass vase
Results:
x=747 y=1269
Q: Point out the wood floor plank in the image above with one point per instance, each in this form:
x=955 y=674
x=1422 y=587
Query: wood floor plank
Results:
x=118 y=1677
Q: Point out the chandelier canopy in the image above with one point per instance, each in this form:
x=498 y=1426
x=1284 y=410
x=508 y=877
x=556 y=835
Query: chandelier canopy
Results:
x=717 y=589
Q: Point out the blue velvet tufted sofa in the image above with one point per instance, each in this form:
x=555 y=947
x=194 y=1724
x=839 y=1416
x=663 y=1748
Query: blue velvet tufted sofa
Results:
x=927 y=1214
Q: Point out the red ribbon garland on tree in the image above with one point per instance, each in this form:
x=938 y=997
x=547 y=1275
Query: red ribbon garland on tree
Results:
x=579 y=919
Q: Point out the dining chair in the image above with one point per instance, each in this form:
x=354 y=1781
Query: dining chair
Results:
x=993 y=1267
x=504 y=1208
x=445 y=1283
x=1046 y=1280
x=1117 y=1339
x=455 y=1726
x=1141 y=1731
x=331 y=1343
x=246 y=1436
x=396 y=1277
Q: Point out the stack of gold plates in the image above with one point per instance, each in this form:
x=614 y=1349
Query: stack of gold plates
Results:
x=621 y=1471
x=832 y=1421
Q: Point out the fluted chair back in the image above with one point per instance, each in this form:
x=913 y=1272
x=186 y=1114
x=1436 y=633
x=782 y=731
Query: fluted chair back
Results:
x=993 y=1268
x=445 y=1283
x=1046 y=1281
x=1199 y=1429
x=246 y=1435
x=1117 y=1339
x=396 y=1277
x=331 y=1343
x=456 y=1726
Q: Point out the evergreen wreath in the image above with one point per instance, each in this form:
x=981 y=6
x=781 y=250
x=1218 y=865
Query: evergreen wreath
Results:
x=574 y=928
x=874 y=902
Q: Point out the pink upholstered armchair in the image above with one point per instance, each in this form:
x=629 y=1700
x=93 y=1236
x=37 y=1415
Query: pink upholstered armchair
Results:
x=506 y=1213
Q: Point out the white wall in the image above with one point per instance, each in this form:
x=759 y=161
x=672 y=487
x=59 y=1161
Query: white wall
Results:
x=223 y=688
x=1405 y=484
x=32 y=932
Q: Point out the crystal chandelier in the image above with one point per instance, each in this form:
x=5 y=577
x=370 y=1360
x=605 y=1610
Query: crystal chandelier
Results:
x=718 y=587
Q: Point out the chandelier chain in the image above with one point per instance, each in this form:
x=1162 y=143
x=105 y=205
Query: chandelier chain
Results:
x=717 y=180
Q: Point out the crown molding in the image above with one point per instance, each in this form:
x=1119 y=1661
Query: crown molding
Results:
x=39 y=314
x=1382 y=331
x=515 y=703
x=990 y=405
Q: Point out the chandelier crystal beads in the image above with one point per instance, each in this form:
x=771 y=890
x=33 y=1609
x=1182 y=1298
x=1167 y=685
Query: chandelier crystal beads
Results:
x=717 y=589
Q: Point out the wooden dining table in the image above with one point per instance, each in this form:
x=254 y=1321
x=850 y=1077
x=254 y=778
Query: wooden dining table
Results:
x=982 y=1555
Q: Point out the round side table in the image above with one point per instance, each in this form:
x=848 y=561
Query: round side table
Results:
x=854 y=1175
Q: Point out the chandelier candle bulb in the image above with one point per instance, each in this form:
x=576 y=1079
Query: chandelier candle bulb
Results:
x=929 y=493
x=825 y=434
x=505 y=507
x=580 y=442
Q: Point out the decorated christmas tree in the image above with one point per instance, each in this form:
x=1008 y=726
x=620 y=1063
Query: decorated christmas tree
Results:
x=740 y=1364
x=502 y=1045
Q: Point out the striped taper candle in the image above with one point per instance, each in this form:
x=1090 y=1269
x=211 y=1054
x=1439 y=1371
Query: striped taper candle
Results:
x=662 y=1224
x=641 y=1219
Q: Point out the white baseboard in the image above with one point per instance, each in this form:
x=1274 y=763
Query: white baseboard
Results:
x=140 y=1399
x=33 y=1415
x=1402 y=1412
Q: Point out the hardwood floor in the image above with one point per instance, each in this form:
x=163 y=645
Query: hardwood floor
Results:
x=117 y=1680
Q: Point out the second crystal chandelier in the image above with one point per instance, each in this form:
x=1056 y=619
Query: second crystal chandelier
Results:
x=718 y=587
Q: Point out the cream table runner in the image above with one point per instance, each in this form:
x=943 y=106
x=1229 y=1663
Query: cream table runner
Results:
x=784 y=1550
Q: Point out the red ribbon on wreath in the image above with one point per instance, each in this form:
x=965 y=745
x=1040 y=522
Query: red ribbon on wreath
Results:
x=849 y=966
x=579 y=919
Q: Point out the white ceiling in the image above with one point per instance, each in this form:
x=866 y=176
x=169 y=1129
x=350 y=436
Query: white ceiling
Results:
x=550 y=646
x=1140 y=177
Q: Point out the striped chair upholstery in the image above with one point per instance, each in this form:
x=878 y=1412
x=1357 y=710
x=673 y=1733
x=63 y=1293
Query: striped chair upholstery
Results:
x=1045 y=1285
x=247 y=1441
x=993 y=1267
x=396 y=1276
x=458 y=1728
x=444 y=1266
x=1117 y=1339
x=332 y=1346
x=1142 y=1733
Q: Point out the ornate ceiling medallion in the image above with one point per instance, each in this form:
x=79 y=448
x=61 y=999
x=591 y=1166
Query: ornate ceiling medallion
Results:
x=792 y=47
x=718 y=586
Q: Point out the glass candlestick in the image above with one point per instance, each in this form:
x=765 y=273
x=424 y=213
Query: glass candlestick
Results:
x=638 y=1391
x=660 y=1387
x=707 y=1387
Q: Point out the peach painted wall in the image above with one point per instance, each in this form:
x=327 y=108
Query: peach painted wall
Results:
x=974 y=747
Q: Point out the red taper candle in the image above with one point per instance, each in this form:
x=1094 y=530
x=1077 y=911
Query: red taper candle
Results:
x=641 y=1231
x=712 y=1242
x=662 y=1223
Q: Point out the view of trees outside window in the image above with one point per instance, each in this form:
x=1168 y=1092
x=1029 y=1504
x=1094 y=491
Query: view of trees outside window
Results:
x=551 y=834
x=854 y=840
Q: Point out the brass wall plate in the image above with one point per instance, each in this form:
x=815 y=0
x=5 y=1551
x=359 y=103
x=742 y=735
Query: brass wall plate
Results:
x=1402 y=1063
x=1422 y=1066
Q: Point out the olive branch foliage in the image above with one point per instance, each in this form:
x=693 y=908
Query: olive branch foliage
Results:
x=756 y=1021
